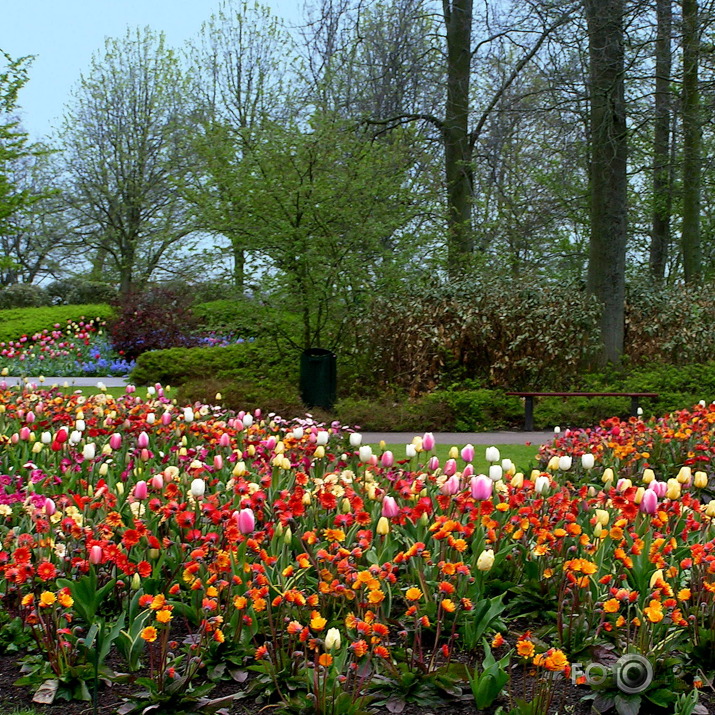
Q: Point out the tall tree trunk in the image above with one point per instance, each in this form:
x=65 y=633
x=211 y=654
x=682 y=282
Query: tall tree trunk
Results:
x=607 y=250
x=239 y=266
x=692 y=144
x=662 y=186
x=457 y=148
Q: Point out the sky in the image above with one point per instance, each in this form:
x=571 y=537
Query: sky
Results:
x=63 y=35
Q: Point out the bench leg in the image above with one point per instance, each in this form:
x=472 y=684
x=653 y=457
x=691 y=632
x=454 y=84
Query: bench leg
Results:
x=529 y=413
x=634 y=407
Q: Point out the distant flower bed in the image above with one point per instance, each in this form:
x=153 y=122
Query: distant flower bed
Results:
x=78 y=348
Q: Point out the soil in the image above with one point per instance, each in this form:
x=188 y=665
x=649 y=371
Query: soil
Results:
x=567 y=700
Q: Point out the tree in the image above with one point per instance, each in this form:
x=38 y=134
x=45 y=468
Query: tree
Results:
x=126 y=144
x=608 y=180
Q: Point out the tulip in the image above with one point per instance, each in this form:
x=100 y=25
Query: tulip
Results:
x=355 y=439
x=450 y=467
x=389 y=507
x=151 y=418
x=700 y=480
x=410 y=451
x=322 y=437
x=467 y=453
x=623 y=484
x=140 y=490
x=607 y=476
x=46 y=438
x=143 y=440
x=198 y=487
x=157 y=481
x=684 y=475
x=517 y=481
x=648 y=476
x=428 y=442
x=383 y=526
x=433 y=464
x=166 y=418
x=135 y=583
x=557 y=430
x=602 y=517
x=468 y=471
x=587 y=461
x=673 y=490
x=492 y=454
x=450 y=486
x=246 y=521
x=80 y=425
x=188 y=414
x=508 y=467
x=224 y=440
x=660 y=488
x=50 y=507
x=75 y=437
x=657 y=576
x=387 y=459
x=115 y=441
x=95 y=555
x=710 y=509
x=218 y=462
x=453 y=453
x=364 y=453
x=638 y=498
x=565 y=463
x=495 y=472
x=247 y=421
x=25 y=434
x=485 y=560
x=89 y=451
x=553 y=464
x=649 y=502
x=30 y=417
x=332 y=639
x=481 y=487
x=542 y=484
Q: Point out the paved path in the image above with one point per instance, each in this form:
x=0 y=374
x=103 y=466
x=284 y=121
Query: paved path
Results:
x=71 y=381
x=462 y=438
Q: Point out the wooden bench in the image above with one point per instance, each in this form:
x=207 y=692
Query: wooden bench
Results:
x=529 y=401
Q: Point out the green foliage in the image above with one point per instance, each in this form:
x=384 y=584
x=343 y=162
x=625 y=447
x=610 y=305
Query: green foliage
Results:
x=86 y=594
x=487 y=684
x=239 y=316
x=23 y=295
x=492 y=331
x=26 y=321
x=256 y=361
x=78 y=291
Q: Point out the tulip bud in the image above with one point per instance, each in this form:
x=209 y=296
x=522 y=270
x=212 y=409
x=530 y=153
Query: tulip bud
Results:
x=485 y=560
x=50 y=507
x=587 y=461
x=700 y=480
x=649 y=502
x=387 y=459
x=135 y=583
x=553 y=464
x=517 y=481
x=288 y=536
x=319 y=452
x=95 y=555
x=657 y=575
x=481 y=487
x=364 y=453
x=607 y=476
x=410 y=451
x=492 y=454
x=453 y=453
x=246 y=521
x=389 y=507
x=467 y=453
x=143 y=440
x=450 y=486
x=565 y=463
x=433 y=464
x=673 y=490
x=298 y=433
x=383 y=526
x=140 y=490
x=495 y=472
x=332 y=639
x=684 y=475
x=542 y=484
x=508 y=467
x=450 y=467
x=198 y=487
x=428 y=442
x=321 y=438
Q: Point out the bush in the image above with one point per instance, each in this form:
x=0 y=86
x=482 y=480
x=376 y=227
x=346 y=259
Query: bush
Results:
x=23 y=295
x=27 y=321
x=157 y=319
x=256 y=362
x=79 y=291
x=237 y=316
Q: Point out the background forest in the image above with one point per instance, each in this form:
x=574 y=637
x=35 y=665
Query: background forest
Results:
x=491 y=194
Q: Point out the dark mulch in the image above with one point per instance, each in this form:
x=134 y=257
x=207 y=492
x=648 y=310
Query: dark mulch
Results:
x=12 y=697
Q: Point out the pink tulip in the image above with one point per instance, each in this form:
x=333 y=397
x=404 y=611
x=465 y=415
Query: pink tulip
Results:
x=157 y=481
x=467 y=472
x=15 y=438
x=50 y=507
x=166 y=418
x=428 y=442
x=143 y=440
x=130 y=389
x=450 y=467
x=25 y=434
x=468 y=453
x=389 y=507
x=387 y=459
x=218 y=462
x=115 y=441
x=95 y=555
x=246 y=521
x=649 y=502
x=30 y=417
x=433 y=463
x=481 y=487
x=224 y=440
x=660 y=488
x=140 y=490
x=451 y=486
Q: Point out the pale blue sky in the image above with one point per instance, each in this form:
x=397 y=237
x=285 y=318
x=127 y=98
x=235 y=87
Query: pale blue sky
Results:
x=63 y=34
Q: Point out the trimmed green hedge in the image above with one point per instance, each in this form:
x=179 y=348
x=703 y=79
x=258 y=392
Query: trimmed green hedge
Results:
x=17 y=322
x=253 y=362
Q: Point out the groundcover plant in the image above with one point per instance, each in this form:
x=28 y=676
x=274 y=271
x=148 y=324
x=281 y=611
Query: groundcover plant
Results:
x=187 y=545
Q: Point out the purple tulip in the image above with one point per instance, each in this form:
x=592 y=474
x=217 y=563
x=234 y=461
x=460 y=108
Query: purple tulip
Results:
x=481 y=487
x=649 y=502
x=389 y=507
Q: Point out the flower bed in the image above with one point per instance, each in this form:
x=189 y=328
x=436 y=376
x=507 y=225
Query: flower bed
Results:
x=192 y=545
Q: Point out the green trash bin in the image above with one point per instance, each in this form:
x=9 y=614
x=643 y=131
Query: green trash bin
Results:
x=318 y=378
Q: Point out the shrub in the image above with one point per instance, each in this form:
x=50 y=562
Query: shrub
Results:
x=250 y=362
x=27 y=321
x=154 y=320
x=23 y=295
x=237 y=316
x=78 y=291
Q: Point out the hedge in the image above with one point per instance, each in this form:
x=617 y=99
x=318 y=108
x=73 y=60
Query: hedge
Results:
x=17 y=322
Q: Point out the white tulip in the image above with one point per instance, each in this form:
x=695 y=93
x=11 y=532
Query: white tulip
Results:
x=495 y=472
x=492 y=454
x=80 y=425
x=565 y=463
x=542 y=484
x=365 y=452
x=247 y=421
x=298 y=432
x=89 y=451
x=188 y=414
x=587 y=460
x=198 y=487
x=410 y=451
x=355 y=439
x=321 y=439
